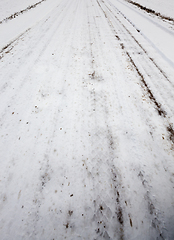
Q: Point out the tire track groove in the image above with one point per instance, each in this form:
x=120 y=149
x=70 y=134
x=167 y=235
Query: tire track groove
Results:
x=150 y=58
x=148 y=10
x=159 y=109
x=158 y=106
x=103 y=162
x=16 y=14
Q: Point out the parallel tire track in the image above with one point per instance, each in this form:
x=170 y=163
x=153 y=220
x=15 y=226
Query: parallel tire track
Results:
x=151 y=68
x=108 y=216
x=153 y=212
x=80 y=157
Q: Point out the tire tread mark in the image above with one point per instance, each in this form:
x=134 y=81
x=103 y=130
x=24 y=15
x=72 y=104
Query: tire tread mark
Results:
x=161 y=112
x=6 y=49
x=150 y=58
x=148 y=10
x=158 y=107
x=16 y=14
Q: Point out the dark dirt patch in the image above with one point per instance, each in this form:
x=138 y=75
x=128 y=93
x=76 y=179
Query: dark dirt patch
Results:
x=6 y=50
x=131 y=222
x=67 y=225
x=120 y=215
x=92 y=75
x=122 y=45
x=118 y=209
x=101 y=208
x=117 y=37
x=171 y=132
x=70 y=213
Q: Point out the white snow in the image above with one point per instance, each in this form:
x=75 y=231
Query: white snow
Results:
x=86 y=122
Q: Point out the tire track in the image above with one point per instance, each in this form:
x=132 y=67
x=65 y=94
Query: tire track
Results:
x=16 y=14
x=154 y=214
x=108 y=218
x=7 y=49
x=148 y=10
x=158 y=107
x=34 y=43
x=157 y=220
x=86 y=150
x=44 y=172
x=150 y=58
x=149 y=71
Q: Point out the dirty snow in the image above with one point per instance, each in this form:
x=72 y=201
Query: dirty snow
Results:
x=86 y=122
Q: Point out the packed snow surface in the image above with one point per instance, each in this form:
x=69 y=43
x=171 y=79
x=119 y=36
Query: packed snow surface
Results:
x=86 y=121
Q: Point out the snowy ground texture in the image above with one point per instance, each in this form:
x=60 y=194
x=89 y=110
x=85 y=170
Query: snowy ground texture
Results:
x=86 y=120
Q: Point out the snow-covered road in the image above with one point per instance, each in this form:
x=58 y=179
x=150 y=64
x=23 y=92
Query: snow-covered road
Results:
x=86 y=122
